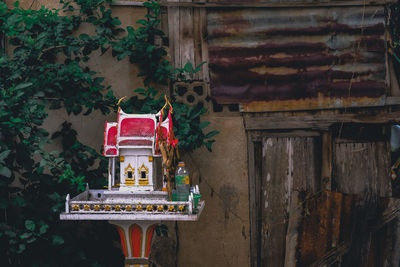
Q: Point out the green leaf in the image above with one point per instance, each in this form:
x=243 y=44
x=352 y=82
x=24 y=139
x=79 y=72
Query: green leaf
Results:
x=4 y=171
x=16 y=120
x=198 y=67
x=140 y=90
x=21 y=248
x=30 y=225
x=142 y=21
x=30 y=240
x=204 y=124
x=25 y=235
x=58 y=240
x=10 y=233
x=211 y=134
x=43 y=229
x=115 y=22
x=4 y=155
x=188 y=67
x=22 y=85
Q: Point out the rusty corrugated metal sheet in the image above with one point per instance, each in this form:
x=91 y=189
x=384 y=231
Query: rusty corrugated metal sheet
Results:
x=292 y=58
x=304 y=2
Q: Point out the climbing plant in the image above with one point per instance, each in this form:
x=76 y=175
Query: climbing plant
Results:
x=46 y=68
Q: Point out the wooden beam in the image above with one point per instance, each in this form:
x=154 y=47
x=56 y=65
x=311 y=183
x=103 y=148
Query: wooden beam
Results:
x=292 y=230
x=319 y=120
x=127 y=3
x=277 y=4
x=254 y=163
x=326 y=165
x=393 y=100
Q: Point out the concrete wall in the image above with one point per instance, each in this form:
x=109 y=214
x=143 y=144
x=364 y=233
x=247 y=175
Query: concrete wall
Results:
x=221 y=236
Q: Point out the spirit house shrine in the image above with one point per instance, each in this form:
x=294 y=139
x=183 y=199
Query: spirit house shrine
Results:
x=131 y=202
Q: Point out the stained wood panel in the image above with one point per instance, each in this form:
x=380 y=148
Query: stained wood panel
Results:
x=288 y=164
x=187 y=30
x=362 y=167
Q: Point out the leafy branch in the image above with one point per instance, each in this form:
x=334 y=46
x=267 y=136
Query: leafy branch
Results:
x=47 y=69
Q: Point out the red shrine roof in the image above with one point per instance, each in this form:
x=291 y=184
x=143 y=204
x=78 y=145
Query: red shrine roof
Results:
x=131 y=131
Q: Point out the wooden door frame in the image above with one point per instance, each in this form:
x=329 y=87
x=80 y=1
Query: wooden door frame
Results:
x=254 y=179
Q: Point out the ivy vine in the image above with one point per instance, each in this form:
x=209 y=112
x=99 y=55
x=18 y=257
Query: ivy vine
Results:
x=46 y=68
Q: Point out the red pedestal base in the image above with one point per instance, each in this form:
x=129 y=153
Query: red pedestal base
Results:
x=135 y=241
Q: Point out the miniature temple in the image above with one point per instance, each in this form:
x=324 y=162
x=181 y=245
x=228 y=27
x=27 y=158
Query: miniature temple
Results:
x=131 y=202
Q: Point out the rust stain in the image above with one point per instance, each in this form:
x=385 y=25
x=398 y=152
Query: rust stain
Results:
x=325 y=223
x=289 y=58
x=306 y=104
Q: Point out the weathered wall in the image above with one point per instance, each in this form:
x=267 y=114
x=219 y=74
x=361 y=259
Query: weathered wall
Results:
x=120 y=75
x=221 y=236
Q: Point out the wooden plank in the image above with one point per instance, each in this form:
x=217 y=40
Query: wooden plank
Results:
x=393 y=100
x=321 y=120
x=294 y=133
x=173 y=35
x=279 y=4
x=394 y=82
x=204 y=45
x=252 y=199
x=292 y=231
x=197 y=41
x=362 y=167
x=276 y=187
x=283 y=174
x=186 y=44
x=326 y=164
x=306 y=172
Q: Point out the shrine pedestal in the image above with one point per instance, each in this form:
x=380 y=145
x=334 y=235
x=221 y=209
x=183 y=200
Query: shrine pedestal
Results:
x=135 y=241
x=134 y=214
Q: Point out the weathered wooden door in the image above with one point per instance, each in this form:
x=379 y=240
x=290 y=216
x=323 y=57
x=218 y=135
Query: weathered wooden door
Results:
x=362 y=167
x=284 y=164
x=318 y=223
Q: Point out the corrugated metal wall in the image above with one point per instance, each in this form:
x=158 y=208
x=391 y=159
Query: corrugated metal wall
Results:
x=297 y=58
x=280 y=1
